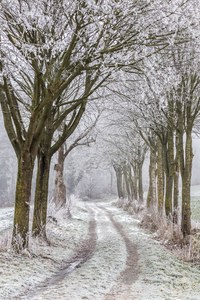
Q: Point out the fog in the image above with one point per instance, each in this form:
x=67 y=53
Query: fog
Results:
x=88 y=173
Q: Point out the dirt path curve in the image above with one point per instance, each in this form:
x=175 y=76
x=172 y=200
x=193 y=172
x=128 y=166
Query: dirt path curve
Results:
x=81 y=255
x=118 y=261
x=162 y=276
x=107 y=263
x=121 y=289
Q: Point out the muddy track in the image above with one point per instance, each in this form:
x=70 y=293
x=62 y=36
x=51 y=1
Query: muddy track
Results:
x=121 y=289
x=81 y=255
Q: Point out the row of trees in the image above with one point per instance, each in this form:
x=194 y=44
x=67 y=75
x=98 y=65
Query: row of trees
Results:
x=167 y=132
x=162 y=106
x=56 y=56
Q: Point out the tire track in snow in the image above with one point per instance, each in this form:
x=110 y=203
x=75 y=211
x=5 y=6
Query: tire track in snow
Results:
x=82 y=254
x=93 y=280
x=121 y=289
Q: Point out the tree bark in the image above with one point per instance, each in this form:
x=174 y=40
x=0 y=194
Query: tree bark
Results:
x=185 y=156
x=168 y=195
x=41 y=195
x=118 y=173
x=20 y=236
x=176 y=183
x=135 y=182
x=140 y=184
x=176 y=195
x=151 y=197
x=186 y=186
x=60 y=188
x=127 y=182
x=160 y=178
x=169 y=171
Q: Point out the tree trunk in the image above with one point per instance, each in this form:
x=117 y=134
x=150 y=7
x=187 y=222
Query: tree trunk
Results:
x=151 y=197
x=118 y=173
x=168 y=195
x=41 y=195
x=176 y=183
x=140 y=184
x=160 y=178
x=20 y=236
x=119 y=185
x=127 y=183
x=186 y=185
x=135 y=182
x=176 y=195
x=185 y=164
x=169 y=171
x=60 y=188
x=130 y=180
x=169 y=158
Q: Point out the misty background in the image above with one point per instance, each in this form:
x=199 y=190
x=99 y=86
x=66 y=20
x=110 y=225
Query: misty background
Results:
x=88 y=173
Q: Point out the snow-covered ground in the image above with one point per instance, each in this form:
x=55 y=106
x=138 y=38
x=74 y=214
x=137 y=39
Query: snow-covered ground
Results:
x=195 y=202
x=18 y=273
x=6 y=219
x=162 y=276
x=156 y=273
x=95 y=278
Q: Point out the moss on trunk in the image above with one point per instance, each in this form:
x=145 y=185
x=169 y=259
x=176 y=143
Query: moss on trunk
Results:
x=60 y=188
x=20 y=236
x=160 y=177
x=118 y=173
x=151 y=197
x=186 y=186
x=41 y=196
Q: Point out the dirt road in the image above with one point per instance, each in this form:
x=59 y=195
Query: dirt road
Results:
x=118 y=260
x=103 y=267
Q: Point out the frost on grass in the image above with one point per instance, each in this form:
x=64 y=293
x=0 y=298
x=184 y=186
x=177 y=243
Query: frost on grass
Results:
x=6 y=218
x=162 y=275
x=95 y=278
x=18 y=273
